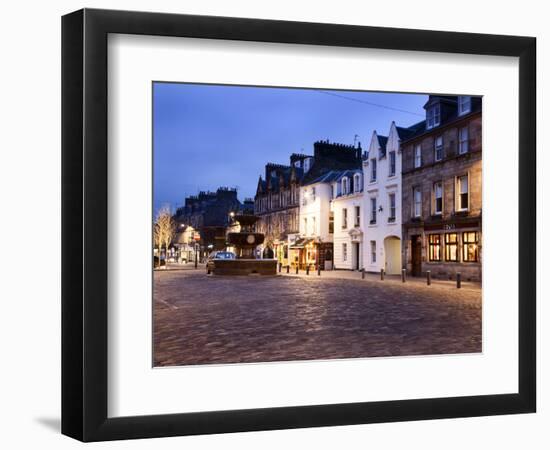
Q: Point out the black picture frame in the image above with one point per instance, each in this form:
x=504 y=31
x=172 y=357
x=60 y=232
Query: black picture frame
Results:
x=84 y=224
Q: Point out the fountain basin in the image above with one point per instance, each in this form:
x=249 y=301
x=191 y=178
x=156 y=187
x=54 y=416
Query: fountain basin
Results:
x=244 y=266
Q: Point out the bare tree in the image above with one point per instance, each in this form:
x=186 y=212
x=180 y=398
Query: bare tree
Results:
x=164 y=229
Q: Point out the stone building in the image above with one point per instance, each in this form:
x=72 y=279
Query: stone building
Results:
x=277 y=205
x=441 y=190
x=208 y=213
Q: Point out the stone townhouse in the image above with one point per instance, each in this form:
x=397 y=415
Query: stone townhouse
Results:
x=382 y=201
x=442 y=192
x=277 y=205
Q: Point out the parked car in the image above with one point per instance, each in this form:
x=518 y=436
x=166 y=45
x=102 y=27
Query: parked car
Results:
x=217 y=255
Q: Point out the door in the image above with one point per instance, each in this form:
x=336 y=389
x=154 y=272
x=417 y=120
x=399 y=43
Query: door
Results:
x=356 y=254
x=416 y=254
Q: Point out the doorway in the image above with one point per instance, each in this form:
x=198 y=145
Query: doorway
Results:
x=416 y=255
x=392 y=250
x=356 y=256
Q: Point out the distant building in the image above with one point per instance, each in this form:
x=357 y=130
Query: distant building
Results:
x=209 y=215
x=441 y=191
x=382 y=201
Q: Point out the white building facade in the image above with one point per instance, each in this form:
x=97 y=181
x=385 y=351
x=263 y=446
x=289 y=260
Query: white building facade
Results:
x=315 y=236
x=382 y=202
x=347 y=209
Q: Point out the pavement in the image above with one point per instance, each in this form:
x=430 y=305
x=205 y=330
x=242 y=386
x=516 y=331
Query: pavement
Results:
x=200 y=319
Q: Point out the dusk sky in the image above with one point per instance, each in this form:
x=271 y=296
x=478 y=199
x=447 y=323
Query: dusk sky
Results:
x=206 y=136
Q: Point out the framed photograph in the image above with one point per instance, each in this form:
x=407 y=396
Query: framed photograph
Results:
x=273 y=224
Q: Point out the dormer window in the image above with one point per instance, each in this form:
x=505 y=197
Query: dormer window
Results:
x=344 y=186
x=433 y=116
x=464 y=104
x=357 y=182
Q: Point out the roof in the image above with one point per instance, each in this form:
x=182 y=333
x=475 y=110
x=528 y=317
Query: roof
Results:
x=334 y=176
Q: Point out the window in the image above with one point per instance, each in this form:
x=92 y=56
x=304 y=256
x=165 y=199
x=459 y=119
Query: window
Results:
x=313 y=194
x=417 y=155
x=438 y=198
x=463 y=141
x=391 y=217
x=313 y=225
x=373 y=169
x=331 y=222
x=451 y=247
x=344 y=218
x=464 y=104
x=417 y=202
x=434 y=247
x=373 y=210
x=462 y=186
x=433 y=116
x=357 y=183
x=344 y=252
x=470 y=251
x=391 y=172
x=372 y=251
x=357 y=216
x=332 y=191
x=439 y=148
x=344 y=186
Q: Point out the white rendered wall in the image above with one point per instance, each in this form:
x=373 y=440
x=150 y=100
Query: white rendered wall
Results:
x=380 y=189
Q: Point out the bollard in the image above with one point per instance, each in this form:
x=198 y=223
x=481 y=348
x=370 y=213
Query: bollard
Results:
x=428 y=277
x=288 y=269
x=363 y=274
x=403 y=273
x=296 y=269
x=319 y=270
x=196 y=260
x=382 y=274
x=307 y=269
x=458 y=280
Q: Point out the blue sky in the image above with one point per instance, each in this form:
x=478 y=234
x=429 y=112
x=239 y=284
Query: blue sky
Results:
x=207 y=136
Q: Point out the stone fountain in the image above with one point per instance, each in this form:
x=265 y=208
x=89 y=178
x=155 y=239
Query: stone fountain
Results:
x=245 y=243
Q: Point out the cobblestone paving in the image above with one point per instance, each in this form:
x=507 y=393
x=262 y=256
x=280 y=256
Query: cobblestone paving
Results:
x=201 y=319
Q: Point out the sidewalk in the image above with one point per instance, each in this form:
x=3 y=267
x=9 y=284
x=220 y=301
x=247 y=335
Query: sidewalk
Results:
x=375 y=277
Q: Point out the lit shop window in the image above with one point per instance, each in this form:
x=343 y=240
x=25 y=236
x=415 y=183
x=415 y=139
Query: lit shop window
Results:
x=451 y=247
x=434 y=247
x=470 y=246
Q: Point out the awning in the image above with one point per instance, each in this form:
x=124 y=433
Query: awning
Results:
x=300 y=243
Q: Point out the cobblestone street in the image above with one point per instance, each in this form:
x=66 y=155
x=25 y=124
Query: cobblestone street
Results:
x=201 y=319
